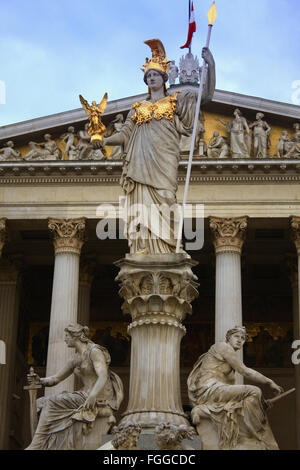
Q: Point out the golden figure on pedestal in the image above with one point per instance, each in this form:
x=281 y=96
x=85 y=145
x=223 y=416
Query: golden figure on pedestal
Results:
x=96 y=128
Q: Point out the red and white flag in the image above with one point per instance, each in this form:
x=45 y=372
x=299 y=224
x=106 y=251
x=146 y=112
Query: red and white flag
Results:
x=192 y=25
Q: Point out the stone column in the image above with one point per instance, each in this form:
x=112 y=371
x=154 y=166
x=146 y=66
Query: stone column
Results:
x=3 y=234
x=68 y=238
x=292 y=263
x=9 y=312
x=228 y=238
x=86 y=276
x=157 y=291
x=295 y=234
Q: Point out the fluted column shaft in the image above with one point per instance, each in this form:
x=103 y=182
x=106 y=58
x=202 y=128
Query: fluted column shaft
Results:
x=228 y=237
x=84 y=298
x=9 y=308
x=228 y=312
x=3 y=234
x=157 y=291
x=86 y=275
x=68 y=240
x=295 y=234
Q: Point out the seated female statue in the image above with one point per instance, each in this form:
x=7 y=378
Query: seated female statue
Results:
x=66 y=419
x=229 y=416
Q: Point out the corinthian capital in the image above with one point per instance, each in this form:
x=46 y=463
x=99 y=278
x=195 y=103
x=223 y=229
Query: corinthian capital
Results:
x=68 y=234
x=295 y=231
x=2 y=234
x=228 y=233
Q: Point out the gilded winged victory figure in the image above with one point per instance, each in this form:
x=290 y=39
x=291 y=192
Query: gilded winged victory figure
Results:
x=94 y=111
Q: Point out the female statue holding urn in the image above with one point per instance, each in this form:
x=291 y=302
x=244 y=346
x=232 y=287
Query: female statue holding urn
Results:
x=151 y=137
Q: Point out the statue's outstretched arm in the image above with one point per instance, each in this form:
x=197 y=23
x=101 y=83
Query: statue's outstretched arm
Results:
x=59 y=377
x=211 y=76
x=115 y=139
x=230 y=356
x=246 y=126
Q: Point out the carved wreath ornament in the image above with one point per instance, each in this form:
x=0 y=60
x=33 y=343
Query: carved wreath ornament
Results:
x=158 y=283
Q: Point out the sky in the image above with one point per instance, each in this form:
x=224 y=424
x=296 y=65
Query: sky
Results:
x=53 y=50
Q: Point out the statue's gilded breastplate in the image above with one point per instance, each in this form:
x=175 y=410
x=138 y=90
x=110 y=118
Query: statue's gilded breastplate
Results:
x=145 y=111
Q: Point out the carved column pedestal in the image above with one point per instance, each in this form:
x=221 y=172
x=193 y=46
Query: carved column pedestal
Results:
x=68 y=238
x=157 y=291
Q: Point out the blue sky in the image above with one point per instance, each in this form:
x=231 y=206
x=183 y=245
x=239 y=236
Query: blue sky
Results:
x=52 y=50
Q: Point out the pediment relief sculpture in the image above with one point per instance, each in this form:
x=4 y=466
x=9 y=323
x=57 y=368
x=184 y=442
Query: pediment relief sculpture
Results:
x=8 y=153
x=47 y=150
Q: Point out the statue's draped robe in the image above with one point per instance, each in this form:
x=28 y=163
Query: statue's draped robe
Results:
x=240 y=142
x=237 y=412
x=261 y=138
x=149 y=177
x=63 y=422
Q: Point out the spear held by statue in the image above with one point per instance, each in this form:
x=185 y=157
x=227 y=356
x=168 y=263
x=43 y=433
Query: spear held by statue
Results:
x=212 y=15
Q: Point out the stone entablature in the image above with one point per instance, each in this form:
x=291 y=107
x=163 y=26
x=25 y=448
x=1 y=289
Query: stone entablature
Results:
x=240 y=171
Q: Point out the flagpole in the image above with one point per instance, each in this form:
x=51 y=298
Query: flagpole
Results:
x=190 y=46
x=188 y=174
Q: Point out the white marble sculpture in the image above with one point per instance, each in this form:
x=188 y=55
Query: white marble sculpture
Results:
x=173 y=73
x=189 y=69
x=8 y=153
x=170 y=436
x=85 y=150
x=261 y=133
x=47 y=150
x=77 y=420
x=84 y=146
x=218 y=146
x=294 y=151
x=69 y=139
x=151 y=135
x=230 y=416
x=240 y=137
x=284 y=145
x=118 y=150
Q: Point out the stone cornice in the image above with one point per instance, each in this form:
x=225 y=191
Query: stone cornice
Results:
x=228 y=234
x=107 y=172
x=295 y=232
x=68 y=234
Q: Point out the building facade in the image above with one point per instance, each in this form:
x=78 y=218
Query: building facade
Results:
x=57 y=267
